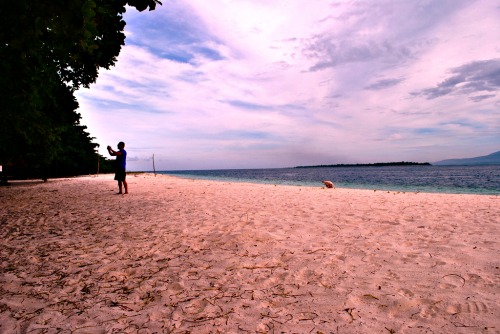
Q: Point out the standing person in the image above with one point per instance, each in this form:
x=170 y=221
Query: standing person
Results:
x=121 y=163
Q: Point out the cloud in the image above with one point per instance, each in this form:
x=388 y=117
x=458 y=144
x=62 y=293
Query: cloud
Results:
x=184 y=38
x=383 y=84
x=248 y=105
x=383 y=33
x=470 y=78
x=479 y=98
x=332 y=54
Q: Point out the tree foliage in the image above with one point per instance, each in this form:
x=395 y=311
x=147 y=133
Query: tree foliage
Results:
x=48 y=49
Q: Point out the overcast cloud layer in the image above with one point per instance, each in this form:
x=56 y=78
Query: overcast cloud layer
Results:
x=268 y=83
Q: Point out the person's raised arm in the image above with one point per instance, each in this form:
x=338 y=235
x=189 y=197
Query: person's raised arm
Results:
x=113 y=152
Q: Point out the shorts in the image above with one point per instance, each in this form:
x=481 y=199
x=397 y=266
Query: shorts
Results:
x=120 y=174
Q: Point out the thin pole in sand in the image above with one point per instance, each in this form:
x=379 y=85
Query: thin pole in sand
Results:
x=154 y=170
x=98 y=163
x=98 y=159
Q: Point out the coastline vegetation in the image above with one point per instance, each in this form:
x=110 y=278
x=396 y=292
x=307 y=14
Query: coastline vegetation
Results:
x=377 y=164
x=49 y=50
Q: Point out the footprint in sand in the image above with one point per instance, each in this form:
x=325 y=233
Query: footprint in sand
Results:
x=451 y=281
x=406 y=293
x=195 y=306
x=431 y=309
x=470 y=307
x=308 y=276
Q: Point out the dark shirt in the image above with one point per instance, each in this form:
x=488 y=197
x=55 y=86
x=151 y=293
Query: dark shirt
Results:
x=121 y=160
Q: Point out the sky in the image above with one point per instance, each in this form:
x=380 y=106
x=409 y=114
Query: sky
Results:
x=225 y=84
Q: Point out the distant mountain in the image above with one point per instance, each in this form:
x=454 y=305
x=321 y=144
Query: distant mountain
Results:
x=492 y=159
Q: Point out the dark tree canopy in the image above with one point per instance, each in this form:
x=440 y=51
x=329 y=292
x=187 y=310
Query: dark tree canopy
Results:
x=48 y=49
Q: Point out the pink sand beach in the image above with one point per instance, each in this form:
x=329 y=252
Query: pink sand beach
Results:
x=183 y=256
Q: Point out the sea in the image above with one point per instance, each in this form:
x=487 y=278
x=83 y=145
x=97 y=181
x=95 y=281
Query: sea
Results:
x=482 y=180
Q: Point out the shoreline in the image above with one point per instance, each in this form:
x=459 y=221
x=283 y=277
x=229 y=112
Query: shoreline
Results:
x=410 y=189
x=312 y=184
x=182 y=255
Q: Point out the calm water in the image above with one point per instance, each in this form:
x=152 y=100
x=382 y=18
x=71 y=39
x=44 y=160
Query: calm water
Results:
x=443 y=179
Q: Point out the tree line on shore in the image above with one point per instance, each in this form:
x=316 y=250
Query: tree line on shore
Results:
x=376 y=164
x=49 y=49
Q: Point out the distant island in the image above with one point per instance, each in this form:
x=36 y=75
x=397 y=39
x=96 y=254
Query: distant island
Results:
x=491 y=159
x=377 y=164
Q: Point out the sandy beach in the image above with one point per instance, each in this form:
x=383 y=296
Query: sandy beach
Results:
x=184 y=256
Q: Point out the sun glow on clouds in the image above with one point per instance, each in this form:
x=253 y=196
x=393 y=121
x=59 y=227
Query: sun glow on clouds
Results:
x=242 y=84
